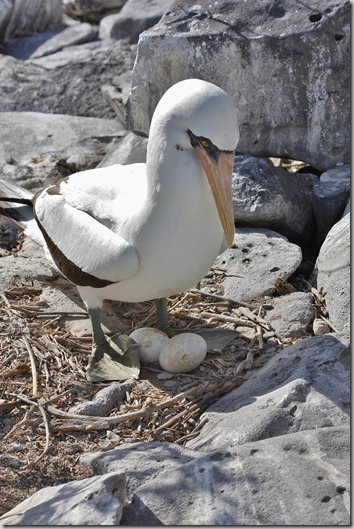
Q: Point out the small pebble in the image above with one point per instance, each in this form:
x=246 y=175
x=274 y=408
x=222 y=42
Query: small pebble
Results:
x=165 y=376
x=112 y=436
x=320 y=327
x=73 y=449
x=105 y=445
x=272 y=342
x=268 y=334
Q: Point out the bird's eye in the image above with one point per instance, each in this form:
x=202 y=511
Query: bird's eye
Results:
x=205 y=143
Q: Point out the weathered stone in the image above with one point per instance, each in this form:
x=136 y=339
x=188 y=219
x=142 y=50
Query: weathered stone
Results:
x=258 y=56
x=256 y=259
x=91 y=501
x=91 y=10
x=290 y=315
x=297 y=479
x=131 y=149
x=140 y=462
x=329 y=198
x=104 y=400
x=304 y=386
x=134 y=18
x=66 y=82
x=269 y=197
x=25 y=18
x=341 y=173
x=320 y=327
x=77 y=34
x=332 y=274
x=35 y=139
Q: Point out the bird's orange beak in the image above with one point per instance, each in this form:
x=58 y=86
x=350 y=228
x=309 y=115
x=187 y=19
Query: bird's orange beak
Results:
x=219 y=174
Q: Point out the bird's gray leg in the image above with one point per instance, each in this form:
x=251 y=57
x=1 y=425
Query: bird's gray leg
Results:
x=114 y=358
x=98 y=336
x=161 y=314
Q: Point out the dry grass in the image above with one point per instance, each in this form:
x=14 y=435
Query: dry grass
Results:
x=42 y=375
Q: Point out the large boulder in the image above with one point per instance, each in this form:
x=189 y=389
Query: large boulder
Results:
x=270 y=197
x=284 y=64
x=66 y=82
x=304 y=386
x=332 y=274
x=20 y=17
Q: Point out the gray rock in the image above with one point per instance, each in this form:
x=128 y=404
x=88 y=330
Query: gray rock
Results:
x=23 y=47
x=341 y=173
x=304 y=386
x=297 y=479
x=329 y=198
x=320 y=327
x=104 y=400
x=134 y=18
x=257 y=56
x=332 y=274
x=256 y=259
x=91 y=501
x=25 y=18
x=270 y=197
x=91 y=10
x=290 y=315
x=76 y=34
x=140 y=462
x=131 y=149
x=54 y=83
x=37 y=140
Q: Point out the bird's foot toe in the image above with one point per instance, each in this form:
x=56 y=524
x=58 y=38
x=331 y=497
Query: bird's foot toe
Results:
x=117 y=358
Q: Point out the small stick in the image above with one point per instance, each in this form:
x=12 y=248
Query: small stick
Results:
x=260 y=337
x=33 y=366
x=229 y=319
x=222 y=298
x=328 y=323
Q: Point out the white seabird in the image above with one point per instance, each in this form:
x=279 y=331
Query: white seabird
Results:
x=145 y=231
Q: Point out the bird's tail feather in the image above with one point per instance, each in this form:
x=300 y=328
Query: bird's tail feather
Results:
x=16 y=205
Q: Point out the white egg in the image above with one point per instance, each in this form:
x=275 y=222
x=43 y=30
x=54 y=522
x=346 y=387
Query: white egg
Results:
x=150 y=343
x=183 y=353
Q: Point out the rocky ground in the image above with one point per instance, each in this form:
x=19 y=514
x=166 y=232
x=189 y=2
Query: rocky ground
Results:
x=258 y=434
x=43 y=372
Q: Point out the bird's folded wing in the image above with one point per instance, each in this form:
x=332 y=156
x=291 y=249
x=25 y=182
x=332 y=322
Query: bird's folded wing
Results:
x=80 y=245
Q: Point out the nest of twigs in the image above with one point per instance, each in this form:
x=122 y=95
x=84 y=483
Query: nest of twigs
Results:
x=42 y=377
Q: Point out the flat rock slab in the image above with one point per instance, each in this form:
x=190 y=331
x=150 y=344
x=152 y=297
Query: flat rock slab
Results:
x=297 y=479
x=290 y=315
x=304 y=386
x=92 y=501
x=135 y=17
x=140 y=461
x=76 y=34
x=32 y=144
x=27 y=135
x=257 y=258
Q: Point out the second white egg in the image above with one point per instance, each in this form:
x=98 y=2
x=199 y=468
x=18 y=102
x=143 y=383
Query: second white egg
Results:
x=183 y=353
